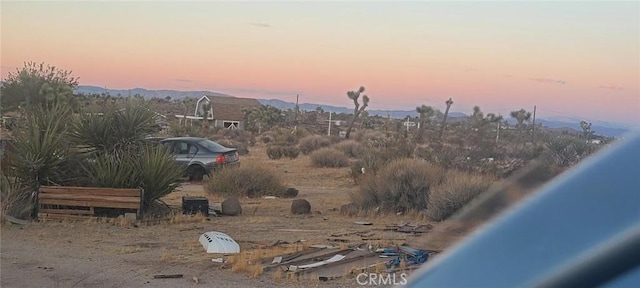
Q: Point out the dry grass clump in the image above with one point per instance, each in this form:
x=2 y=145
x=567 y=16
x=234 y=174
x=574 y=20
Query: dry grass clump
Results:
x=350 y=148
x=457 y=190
x=329 y=157
x=16 y=199
x=400 y=186
x=312 y=143
x=245 y=181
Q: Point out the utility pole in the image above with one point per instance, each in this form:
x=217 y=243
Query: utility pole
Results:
x=329 y=133
x=297 y=110
x=533 y=131
x=498 y=132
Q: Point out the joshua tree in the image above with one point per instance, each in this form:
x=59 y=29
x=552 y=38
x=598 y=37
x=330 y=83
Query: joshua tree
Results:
x=444 y=119
x=426 y=112
x=586 y=129
x=354 y=95
x=521 y=116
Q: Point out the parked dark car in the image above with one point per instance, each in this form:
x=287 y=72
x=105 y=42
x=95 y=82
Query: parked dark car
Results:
x=199 y=156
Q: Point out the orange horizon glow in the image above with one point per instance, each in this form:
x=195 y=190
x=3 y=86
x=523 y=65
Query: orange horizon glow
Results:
x=568 y=59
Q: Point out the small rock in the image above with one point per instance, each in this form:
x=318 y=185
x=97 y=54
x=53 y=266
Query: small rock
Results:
x=231 y=207
x=300 y=206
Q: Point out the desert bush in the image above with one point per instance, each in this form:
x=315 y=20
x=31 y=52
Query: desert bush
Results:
x=329 y=157
x=402 y=185
x=267 y=138
x=457 y=190
x=312 y=143
x=290 y=151
x=277 y=151
x=238 y=135
x=17 y=200
x=350 y=148
x=245 y=181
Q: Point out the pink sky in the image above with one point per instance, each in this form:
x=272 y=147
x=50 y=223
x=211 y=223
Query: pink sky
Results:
x=568 y=58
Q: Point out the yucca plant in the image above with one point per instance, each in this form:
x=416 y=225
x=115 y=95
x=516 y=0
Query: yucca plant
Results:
x=158 y=172
x=115 y=131
x=42 y=148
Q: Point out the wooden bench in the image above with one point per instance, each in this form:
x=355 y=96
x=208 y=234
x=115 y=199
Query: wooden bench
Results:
x=64 y=202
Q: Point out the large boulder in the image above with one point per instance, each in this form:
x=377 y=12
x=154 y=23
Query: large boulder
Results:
x=231 y=207
x=300 y=206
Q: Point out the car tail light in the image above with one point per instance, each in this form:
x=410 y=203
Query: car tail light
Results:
x=221 y=159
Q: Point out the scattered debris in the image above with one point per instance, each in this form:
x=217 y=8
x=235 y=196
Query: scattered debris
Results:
x=297 y=230
x=167 y=276
x=218 y=242
x=196 y=280
x=231 y=207
x=269 y=197
x=276 y=260
x=362 y=223
x=335 y=258
x=414 y=229
x=218 y=260
x=323 y=246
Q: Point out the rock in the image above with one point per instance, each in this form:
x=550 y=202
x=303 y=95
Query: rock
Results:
x=300 y=206
x=290 y=193
x=350 y=209
x=231 y=207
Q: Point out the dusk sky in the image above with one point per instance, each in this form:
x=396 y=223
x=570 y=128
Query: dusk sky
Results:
x=574 y=59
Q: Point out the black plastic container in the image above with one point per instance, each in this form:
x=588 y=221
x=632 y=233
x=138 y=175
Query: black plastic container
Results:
x=193 y=205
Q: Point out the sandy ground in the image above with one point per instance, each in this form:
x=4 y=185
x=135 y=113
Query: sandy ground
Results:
x=119 y=254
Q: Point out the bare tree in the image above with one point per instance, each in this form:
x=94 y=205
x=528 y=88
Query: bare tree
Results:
x=355 y=95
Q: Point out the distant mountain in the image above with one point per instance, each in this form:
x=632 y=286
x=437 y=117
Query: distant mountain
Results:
x=174 y=94
x=397 y=114
x=600 y=127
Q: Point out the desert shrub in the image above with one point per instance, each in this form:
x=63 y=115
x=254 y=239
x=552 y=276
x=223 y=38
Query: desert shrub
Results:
x=290 y=151
x=329 y=157
x=275 y=152
x=17 y=200
x=245 y=181
x=267 y=138
x=237 y=135
x=402 y=185
x=457 y=190
x=350 y=148
x=312 y=143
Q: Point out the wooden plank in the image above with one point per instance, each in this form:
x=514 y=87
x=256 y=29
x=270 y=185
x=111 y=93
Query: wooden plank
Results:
x=65 y=211
x=88 y=198
x=121 y=192
x=91 y=203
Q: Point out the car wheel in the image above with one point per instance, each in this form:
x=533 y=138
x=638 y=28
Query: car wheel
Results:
x=196 y=173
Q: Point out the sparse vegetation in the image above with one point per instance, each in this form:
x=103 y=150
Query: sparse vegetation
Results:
x=400 y=186
x=350 y=148
x=245 y=181
x=312 y=143
x=329 y=157
x=455 y=192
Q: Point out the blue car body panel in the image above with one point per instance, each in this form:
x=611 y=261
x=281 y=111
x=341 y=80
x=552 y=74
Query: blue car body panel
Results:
x=572 y=215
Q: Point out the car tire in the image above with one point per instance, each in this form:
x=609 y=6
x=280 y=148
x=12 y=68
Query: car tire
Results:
x=196 y=173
